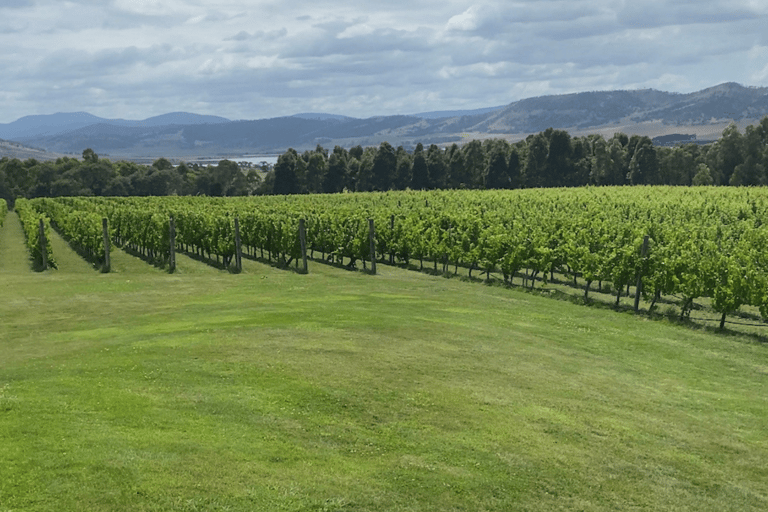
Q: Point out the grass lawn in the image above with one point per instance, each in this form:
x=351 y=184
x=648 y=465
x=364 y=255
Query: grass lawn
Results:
x=336 y=390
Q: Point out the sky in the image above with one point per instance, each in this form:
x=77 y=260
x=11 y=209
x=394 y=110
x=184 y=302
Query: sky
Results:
x=135 y=59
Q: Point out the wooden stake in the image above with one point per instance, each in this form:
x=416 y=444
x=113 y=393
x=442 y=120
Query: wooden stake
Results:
x=303 y=241
x=372 y=238
x=639 y=287
x=105 y=228
x=172 y=241
x=391 y=238
x=43 y=245
x=238 y=249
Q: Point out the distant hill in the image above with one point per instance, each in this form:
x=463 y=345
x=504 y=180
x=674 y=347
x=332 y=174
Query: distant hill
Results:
x=321 y=117
x=38 y=126
x=649 y=112
x=12 y=149
x=442 y=114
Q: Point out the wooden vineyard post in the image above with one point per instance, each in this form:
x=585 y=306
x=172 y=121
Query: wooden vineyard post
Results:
x=372 y=238
x=391 y=238
x=43 y=245
x=172 y=242
x=105 y=228
x=639 y=286
x=238 y=249
x=303 y=242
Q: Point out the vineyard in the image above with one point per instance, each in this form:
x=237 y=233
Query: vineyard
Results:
x=699 y=242
x=207 y=388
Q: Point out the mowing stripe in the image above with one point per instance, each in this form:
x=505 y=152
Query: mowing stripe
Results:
x=14 y=257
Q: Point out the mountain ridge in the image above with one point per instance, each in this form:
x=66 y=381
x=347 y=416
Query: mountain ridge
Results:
x=643 y=111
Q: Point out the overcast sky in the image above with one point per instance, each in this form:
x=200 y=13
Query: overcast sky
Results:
x=135 y=59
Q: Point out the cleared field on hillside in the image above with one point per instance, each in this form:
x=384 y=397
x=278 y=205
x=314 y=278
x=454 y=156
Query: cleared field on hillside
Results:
x=337 y=390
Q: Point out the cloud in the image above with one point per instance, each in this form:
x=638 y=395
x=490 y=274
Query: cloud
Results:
x=15 y=4
x=259 y=35
x=265 y=58
x=657 y=13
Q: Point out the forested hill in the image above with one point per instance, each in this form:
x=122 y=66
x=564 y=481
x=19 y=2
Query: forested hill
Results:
x=641 y=112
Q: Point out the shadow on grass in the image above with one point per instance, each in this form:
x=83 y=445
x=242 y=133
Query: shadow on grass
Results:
x=160 y=263
x=664 y=309
x=295 y=268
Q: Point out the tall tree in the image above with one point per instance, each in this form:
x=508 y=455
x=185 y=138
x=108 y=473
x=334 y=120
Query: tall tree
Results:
x=535 y=163
x=602 y=164
x=438 y=169
x=384 y=164
x=365 y=171
x=557 y=169
x=474 y=161
x=644 y=166
x=286 y=181
x=515 y=169
x=618 y=154
x=336 y=175
x=497 y=171
x=316 y=169
x=703 y=176
x=90 y=156
x=403 y=169
x=730 y=154
x=458 y=176
x=419 y=170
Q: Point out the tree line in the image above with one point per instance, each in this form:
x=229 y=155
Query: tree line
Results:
x=94 y=176
x=551 y=158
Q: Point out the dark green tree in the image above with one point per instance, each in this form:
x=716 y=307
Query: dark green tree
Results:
x=419 y=170
x=618 y=154
x=515 y=169
x=365 y=171
x=316 y=169
x=602 y=164
x=336 y=175
x=89 y=156
x=286 y=181
x=557 y=169
x=95 y=176
x=535 y=163
x=384 y=165
x=703 y=176
x=730 y=153
x=644 y=166
x=497 y=172
x=438 y=167
x=458 y=177
x=403 y=169
x=474 y=161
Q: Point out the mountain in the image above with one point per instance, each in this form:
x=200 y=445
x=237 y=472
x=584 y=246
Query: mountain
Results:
x=40 y=125
x=321 y=117
x=649 y=112
x=440 y=114
x=47 y=125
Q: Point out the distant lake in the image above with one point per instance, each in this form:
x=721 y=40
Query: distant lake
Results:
x=257 y=159
x=253 y=159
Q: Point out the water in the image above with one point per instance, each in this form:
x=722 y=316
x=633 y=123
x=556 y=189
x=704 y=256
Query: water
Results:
x=257 y=159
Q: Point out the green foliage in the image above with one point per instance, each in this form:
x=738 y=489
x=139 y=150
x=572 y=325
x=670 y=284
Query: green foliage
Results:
x=30 y=222
x=703 y=176
x=704 y=242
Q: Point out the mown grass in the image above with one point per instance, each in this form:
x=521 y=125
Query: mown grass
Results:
x=337 y=390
